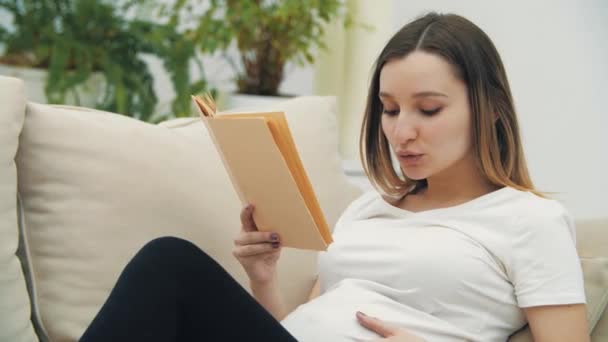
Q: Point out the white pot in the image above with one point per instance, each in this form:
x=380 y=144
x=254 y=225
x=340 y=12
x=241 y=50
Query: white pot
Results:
x=234 y=101
x=35 y=80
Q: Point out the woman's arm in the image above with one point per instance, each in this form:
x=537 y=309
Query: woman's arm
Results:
x=269 y=296
x=557 y=323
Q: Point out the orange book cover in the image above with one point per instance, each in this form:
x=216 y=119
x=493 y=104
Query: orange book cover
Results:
x=260 y=156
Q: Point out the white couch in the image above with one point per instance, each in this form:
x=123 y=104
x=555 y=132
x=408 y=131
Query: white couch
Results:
x=93 y=187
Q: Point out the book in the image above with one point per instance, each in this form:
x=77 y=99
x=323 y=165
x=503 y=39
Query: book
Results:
x=261 y=159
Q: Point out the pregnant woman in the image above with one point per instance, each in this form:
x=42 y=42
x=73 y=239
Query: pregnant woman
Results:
x=456 y=246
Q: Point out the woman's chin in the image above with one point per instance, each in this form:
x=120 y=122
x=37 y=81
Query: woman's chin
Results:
x=414 y=174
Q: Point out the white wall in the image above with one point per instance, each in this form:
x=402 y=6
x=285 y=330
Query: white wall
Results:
x=556 y=56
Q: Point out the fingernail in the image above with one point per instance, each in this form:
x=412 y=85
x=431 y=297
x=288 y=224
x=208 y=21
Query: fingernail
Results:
x=274 y=237
x=361 y=314
x=275 y=245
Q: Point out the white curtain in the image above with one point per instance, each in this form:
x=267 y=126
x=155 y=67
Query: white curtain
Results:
x=344 y=70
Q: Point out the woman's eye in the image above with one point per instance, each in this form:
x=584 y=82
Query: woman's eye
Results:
x=390 y=112
x=430 y=111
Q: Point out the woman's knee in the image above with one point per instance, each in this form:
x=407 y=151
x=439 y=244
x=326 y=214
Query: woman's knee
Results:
x=181 y=260
x=172 y=250
x=167 y=242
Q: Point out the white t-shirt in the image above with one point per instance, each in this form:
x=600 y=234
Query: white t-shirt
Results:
x=450 y=274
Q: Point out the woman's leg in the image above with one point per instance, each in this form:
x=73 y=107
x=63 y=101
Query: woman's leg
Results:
x=173 y=291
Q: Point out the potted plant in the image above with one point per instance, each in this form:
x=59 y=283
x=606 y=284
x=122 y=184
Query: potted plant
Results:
x=267 y=35
x=72 y=42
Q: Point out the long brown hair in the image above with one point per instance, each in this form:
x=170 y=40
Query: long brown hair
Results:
x=496 y=141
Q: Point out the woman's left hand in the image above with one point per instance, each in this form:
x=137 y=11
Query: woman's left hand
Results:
x=387 y=331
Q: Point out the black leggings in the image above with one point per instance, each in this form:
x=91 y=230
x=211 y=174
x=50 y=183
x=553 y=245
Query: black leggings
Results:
x=172 y=291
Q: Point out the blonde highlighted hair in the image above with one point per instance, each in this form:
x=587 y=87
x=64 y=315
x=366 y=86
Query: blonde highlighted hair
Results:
x=496 y=141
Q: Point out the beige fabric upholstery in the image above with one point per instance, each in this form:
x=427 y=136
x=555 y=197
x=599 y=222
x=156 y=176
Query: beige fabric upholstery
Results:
x=97 y=186
x=14 y=301
x=593 y=244
x=600 y=332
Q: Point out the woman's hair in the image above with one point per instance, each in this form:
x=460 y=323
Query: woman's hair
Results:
x=496 y=141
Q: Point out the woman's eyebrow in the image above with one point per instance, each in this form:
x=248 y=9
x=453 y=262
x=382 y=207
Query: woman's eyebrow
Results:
x=416 y=95
x=429 y=93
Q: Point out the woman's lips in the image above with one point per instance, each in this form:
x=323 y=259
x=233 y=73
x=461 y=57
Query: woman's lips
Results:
x=411 y=160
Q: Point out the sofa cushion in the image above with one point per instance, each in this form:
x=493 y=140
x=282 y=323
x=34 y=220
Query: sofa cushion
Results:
x=15 y=322
x=97 y=186
x=600 y=332
x=592 y=238
x=592 y=242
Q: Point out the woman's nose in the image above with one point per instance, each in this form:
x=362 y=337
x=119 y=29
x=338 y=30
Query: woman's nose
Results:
x=405 y=128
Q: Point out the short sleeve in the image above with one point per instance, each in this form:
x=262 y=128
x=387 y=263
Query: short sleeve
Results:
x=544 y=265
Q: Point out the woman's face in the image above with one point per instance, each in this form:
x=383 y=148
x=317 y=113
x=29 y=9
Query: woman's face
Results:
x=426 y=116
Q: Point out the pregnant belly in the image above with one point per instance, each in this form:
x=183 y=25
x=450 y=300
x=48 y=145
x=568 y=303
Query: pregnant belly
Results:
x=331 y=316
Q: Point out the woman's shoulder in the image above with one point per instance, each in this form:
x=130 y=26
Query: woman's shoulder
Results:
x=541 y=214
x=533 y=205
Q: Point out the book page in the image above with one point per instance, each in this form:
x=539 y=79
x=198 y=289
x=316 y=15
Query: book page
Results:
x=284 y=140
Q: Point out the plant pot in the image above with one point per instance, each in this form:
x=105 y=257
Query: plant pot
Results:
x=35 y=80
x=235 y=101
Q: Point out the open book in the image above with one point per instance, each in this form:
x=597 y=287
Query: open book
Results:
x=260 y=156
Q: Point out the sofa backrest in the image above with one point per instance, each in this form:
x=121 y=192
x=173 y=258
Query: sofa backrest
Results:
x=96 y=186
x=592 y=243
x=15 y=322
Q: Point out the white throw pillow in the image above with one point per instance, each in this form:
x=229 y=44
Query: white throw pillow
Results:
x=15 y=322
x=97 y=186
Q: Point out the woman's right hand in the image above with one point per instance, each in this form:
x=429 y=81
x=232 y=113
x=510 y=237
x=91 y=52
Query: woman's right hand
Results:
x=257 y=251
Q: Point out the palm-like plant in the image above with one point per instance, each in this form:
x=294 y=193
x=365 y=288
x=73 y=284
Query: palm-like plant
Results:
x=267 y=33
